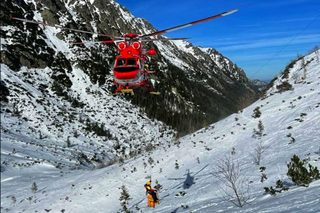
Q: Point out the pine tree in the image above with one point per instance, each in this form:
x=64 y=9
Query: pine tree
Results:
x=68 y=141
x=299 y=174
x=150 y=161
x=198 y=160
x=260 y=127
x=279 y=188
x=40 y=135
x=258 y=133
x=257 y=112
x=124 y=199
x=233 y=151
x=34 y=187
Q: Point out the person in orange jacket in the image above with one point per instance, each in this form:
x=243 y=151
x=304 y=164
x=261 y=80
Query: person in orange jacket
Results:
x=151 y=191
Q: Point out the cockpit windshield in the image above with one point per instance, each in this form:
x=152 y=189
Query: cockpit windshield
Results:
x=131 y=62
x=126 y=62
x=121 y=62
x=127 y=65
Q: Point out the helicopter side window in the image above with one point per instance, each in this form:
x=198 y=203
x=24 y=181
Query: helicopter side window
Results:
x=121 y=62
x=131 y=62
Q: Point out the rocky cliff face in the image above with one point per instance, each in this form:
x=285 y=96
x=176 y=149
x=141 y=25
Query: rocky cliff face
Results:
x=198 y=85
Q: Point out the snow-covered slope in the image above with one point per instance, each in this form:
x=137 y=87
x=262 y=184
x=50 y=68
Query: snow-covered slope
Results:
x=97 y=124
x=185 y=167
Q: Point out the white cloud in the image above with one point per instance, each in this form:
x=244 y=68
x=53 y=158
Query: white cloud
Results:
x=273 y=42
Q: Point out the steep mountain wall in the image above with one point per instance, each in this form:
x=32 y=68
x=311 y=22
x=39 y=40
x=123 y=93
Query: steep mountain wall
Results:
x=198 y=85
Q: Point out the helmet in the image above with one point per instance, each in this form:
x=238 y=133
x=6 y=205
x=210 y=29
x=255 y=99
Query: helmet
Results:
x=146 y=65
x=148 y=183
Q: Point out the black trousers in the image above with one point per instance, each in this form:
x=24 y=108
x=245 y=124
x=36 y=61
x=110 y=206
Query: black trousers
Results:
x=154 y=195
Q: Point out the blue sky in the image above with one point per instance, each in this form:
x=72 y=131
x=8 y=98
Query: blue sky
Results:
x=262 y=37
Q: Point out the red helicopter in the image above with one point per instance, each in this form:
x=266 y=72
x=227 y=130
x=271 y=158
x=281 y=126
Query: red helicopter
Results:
x=130 y=68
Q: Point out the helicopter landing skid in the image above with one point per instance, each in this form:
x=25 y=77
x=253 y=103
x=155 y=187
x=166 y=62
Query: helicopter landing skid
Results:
x=127 y=91
x=114 y=94
x=155 y=93
x=123 y=91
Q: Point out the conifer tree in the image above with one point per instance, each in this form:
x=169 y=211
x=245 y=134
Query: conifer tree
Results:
x=257 y=113
x=124 y=199
x=150 y=161
x=299 y=174
x=260 y=126
x=68 y=142
x=34 y=187
x=258 y=133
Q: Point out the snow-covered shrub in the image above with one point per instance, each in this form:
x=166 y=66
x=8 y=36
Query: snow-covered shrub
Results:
x=158 y=186
x=257 y=112
x=263 y=175
x=285 y=86
x=292 y=140
x=184 y=206
x=149 y=147
x=176 y=165
x=299 y=174
x=279 y=188
x=13 y=200
x=259 y=133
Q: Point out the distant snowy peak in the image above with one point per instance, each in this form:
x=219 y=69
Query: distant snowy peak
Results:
x=259 y=85
x=258 y=82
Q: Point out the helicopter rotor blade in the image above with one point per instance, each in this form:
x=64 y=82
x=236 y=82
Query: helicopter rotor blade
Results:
x=60 y=27
x=115 y=41
x=97 y=42
x=163 y=39
x=189 y=24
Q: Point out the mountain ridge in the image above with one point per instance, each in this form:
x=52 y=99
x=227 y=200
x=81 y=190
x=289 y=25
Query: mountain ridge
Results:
x=179 y=64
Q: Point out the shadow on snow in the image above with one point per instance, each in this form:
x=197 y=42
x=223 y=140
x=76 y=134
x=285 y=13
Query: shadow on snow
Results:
x=189 y=180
